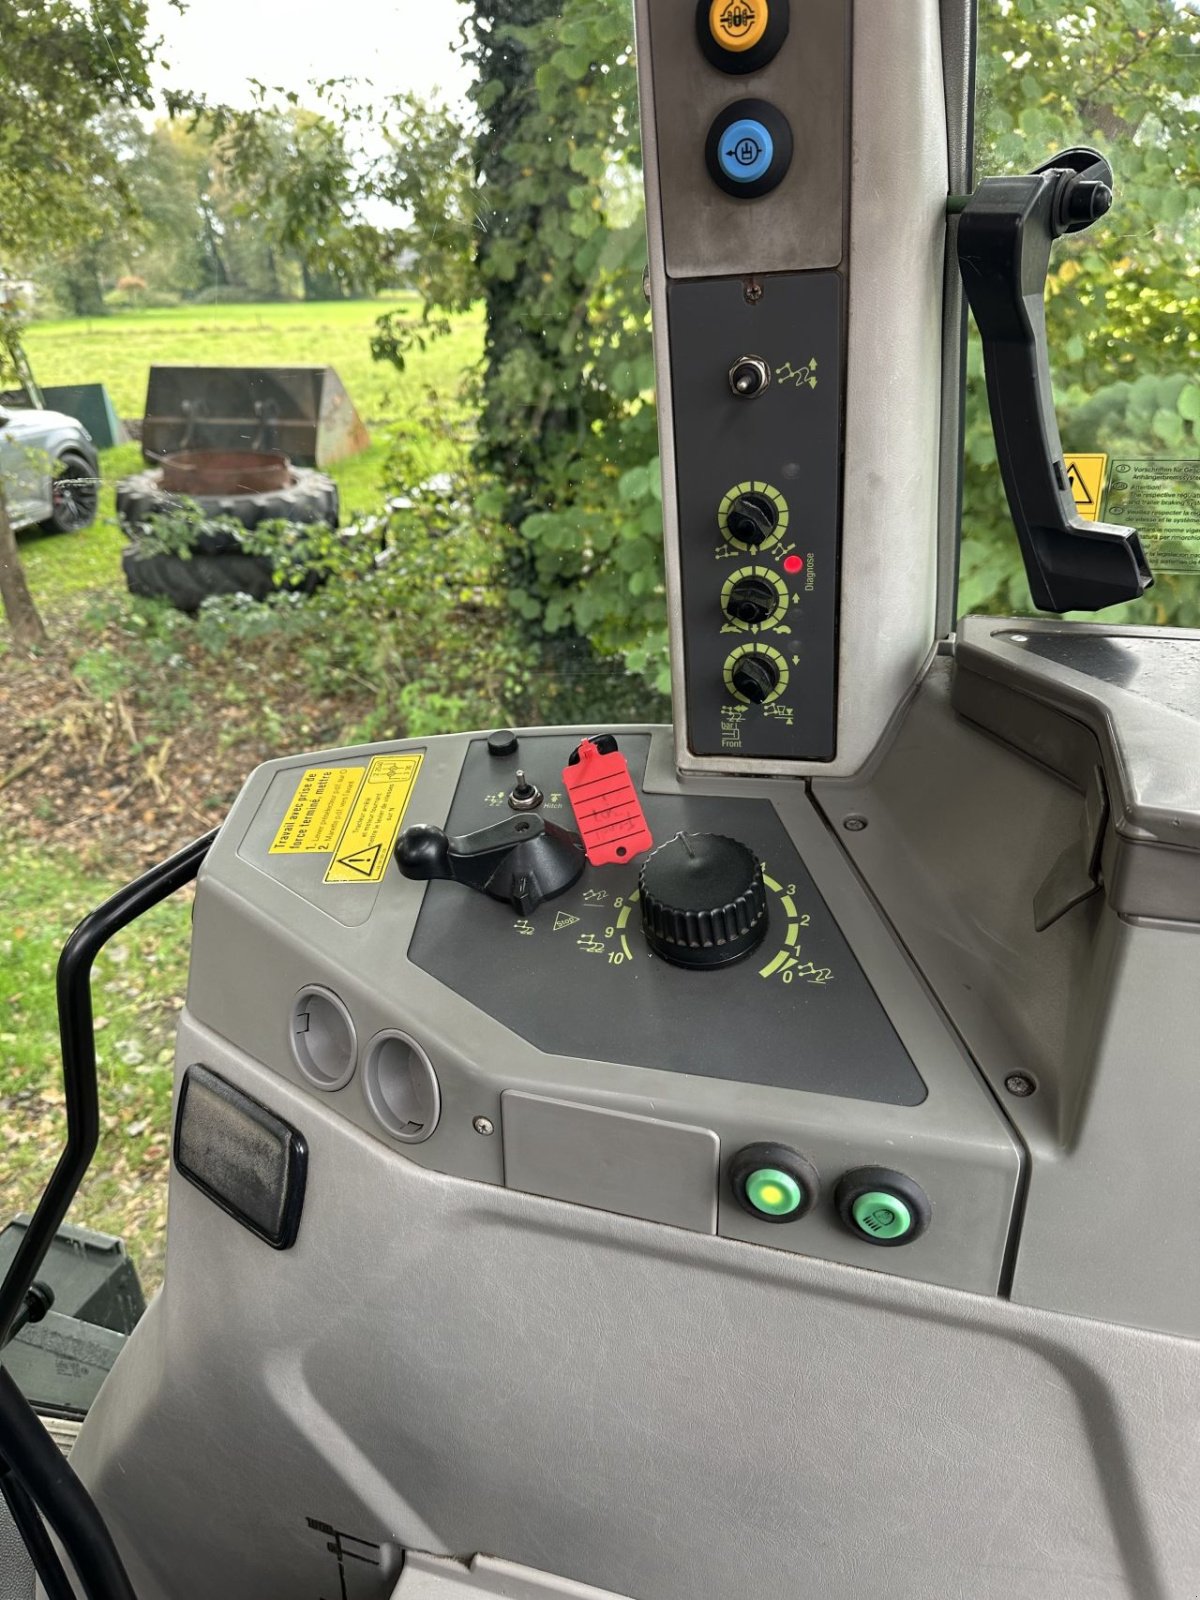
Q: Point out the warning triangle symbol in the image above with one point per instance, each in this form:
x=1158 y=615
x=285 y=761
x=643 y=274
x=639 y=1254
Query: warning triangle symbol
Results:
x=564 y=919
x=1079 y=489
x=364 y=861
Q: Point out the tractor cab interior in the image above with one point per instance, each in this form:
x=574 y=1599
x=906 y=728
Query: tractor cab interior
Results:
x=745 y=1155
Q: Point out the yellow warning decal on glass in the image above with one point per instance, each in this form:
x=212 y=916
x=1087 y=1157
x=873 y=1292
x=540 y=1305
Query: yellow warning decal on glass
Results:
x=318 y=812
x=1085 y=474
x=362 y=851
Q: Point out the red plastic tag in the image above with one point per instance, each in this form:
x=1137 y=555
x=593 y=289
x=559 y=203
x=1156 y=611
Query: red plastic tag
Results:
x=606 y=804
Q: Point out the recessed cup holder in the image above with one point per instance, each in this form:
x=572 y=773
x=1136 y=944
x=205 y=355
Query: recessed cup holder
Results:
x=324 y=1043
x=402 y=1088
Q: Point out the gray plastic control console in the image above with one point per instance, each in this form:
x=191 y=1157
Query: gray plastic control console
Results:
x=552 y=1052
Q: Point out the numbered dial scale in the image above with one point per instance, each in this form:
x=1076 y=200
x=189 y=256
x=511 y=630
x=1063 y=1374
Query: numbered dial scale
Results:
x=577 y=977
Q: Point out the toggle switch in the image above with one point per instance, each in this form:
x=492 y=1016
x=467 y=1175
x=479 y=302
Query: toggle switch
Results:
x=749 y=376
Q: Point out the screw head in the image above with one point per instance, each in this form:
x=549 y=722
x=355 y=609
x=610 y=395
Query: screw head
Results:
x=484 y=1125
x=854 y=824
x=1020 y=1084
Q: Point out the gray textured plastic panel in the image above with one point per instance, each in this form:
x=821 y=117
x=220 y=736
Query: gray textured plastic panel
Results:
x=434 y=1578
x=455 y=1367
x=1164 y=667
x=799 y=1014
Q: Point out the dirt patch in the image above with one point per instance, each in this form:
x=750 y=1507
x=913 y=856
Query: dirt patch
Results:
x=124 y=777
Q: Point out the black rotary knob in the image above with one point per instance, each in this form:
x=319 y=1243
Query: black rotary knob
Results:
x=752 y=599
x=703 y=900
x=755 y=678
x=752 y=518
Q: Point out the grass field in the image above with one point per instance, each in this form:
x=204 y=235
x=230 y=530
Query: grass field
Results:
x=120 y=350
x=138 y=989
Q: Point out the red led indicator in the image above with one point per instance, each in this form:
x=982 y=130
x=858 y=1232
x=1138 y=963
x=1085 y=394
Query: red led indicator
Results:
x=793 y=564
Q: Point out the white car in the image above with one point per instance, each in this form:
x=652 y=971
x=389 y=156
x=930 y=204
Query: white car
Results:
x=49 y=469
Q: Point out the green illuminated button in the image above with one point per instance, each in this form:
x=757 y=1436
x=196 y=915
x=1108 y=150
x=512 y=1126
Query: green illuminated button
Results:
x=883 y=1216
x=774 y=1193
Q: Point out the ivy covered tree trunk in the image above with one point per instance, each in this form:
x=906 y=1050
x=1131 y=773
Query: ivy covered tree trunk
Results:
x=531 y=297
x=568 y=430
x=23 y=620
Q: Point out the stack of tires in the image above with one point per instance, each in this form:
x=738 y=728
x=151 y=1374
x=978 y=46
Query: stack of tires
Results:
x=216 y=563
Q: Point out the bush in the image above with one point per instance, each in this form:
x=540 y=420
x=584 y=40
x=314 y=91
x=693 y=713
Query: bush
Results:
x=142 y=300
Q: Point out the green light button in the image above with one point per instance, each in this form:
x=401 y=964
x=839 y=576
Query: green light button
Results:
x=774 y=1193
x=883 y=1216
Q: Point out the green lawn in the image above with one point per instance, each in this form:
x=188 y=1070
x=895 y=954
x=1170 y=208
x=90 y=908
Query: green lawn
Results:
x=119 y=351
x=138 y=988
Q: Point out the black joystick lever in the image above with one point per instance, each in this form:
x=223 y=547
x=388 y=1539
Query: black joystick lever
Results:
x=1005 y=232
x=522 y=860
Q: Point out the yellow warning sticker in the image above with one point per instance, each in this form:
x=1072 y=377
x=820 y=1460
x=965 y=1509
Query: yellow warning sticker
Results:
x=319 y=811
x=362 y=851
x=1085 y=474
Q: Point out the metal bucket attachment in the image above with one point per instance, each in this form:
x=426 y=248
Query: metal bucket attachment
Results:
x=303 y=413
x=218 y=472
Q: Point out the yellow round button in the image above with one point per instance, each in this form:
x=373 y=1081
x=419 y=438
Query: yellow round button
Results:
x=738 y=25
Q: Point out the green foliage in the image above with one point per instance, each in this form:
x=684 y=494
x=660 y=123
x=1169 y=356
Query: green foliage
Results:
x=407 y=608
x=362 y=197
x=568 y=430
x=1123 y=312
x=63 y=63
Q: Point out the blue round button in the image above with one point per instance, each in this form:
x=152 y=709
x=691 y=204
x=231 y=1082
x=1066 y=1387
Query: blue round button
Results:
x=745 y=151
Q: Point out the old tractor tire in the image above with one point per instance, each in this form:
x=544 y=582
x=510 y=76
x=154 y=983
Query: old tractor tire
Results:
x=187 y=581
x=217 y=564
x=312 y=498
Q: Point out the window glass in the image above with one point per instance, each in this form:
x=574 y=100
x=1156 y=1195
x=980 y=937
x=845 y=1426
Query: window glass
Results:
x=1123 y=298
x=389 y=270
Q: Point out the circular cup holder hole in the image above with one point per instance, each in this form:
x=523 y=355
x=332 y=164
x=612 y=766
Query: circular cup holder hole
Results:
x=402 y=1088
x=323 y=1039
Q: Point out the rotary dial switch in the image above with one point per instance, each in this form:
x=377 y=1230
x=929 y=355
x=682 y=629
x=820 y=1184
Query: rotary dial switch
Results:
x=753 y=599
x=752 y=519
x=755 y=678
x=703 y=900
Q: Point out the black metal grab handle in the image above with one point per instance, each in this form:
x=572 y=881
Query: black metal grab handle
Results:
x=1005 y=233
x=27 y=1520
x=47 y=1485
x=78 y=1038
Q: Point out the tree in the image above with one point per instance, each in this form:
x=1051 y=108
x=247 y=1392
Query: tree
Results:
x=62 y=63
x=24 y=622
x=568 y=428
x=288 y=176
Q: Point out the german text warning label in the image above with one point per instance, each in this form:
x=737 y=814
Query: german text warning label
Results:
x=1161 y=499
x=365 y=844
x=319 y=811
